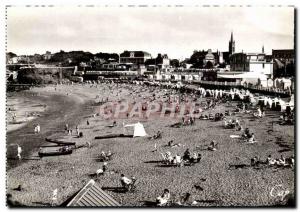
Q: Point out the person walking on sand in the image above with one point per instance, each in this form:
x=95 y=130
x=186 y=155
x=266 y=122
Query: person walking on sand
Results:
x=77 y=130
x=66 y=127
x=19 y=151
x=37 y=129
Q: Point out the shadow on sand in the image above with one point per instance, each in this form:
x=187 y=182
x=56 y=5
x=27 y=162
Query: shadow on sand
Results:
x=154 y=161
x=42 y=203
x=115 y=189
x=149 y=203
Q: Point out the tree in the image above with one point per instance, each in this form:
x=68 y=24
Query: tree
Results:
x=197 y=59
x=10 y=55
x=106 y=56
x=209 y=65
x=174 y=63
x=150 y=62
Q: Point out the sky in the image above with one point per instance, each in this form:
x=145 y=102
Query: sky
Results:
x=176 y=31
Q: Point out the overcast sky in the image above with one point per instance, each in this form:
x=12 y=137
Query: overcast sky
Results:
x=177 y=31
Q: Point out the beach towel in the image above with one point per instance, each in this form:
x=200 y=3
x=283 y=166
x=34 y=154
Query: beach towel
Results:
x=235 y=136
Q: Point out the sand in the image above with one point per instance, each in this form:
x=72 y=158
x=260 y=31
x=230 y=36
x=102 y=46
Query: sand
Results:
x=224 y=185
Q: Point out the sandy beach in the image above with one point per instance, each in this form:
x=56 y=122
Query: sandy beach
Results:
x=224 y=185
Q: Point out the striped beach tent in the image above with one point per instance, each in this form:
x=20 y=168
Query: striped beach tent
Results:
x=91 y=195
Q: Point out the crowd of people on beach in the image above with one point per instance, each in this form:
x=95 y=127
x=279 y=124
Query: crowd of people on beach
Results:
x=188 y=158
x=218 y=96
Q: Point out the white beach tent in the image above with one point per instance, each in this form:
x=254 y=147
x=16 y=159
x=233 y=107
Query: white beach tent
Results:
x=292 y=101
x=139 y=130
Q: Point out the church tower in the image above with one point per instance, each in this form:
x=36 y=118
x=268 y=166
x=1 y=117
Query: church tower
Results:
x=231 y=45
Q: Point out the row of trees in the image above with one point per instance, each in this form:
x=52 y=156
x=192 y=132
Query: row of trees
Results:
x=65 y=58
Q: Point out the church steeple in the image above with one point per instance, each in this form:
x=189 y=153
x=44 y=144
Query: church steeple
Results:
x=231 y=44
x=263 y=49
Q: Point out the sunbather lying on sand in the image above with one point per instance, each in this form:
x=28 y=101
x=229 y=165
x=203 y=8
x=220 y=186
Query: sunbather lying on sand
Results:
x=105 y=156
x=171 y=144
x=101 y=171
x=228 y=124
x=127 y=184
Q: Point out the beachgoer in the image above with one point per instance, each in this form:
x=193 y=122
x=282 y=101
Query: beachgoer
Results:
x=99 y=172
x=282 y=160
x=158 y=135
x=253 y=161
x=195 y=157
x=164 y=198
x=178 y=159
x=252 y=138
x=212 y=146
x=269 y=159
x=199 y=157
x=77 y=130
x=292 y=161
x=104 y=167
x=109 y=154
x=66 y=127
x=103 y=156
x=54 y=197
x=36 y=129
x=247 y=133
x=19 y=151
x=168 y=157
x=184 y=199
x=186 y=154
x=126 y=182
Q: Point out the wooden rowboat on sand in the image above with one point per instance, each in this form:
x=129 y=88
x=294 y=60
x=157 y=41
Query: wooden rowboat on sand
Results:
x=65 y=150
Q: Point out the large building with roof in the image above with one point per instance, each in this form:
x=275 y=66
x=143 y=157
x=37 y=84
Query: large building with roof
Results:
x=258 y=63
x=284 y=62
x=134 y=57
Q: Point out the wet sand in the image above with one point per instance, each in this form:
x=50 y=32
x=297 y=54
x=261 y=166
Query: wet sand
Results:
x=21 y=110
x=61 y=109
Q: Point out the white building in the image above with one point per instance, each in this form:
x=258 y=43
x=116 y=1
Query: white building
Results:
x=209 y=57
x=47 y=56
x=259 y=64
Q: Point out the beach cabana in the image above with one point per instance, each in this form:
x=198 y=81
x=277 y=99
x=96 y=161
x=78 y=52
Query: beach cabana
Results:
x=91 y=195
